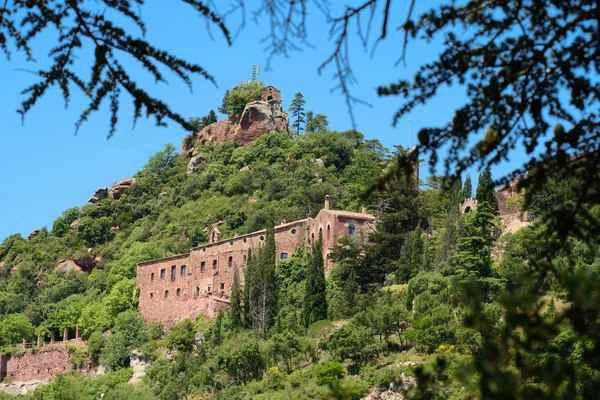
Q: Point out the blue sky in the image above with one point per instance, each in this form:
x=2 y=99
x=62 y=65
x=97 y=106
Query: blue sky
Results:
x=46 y=169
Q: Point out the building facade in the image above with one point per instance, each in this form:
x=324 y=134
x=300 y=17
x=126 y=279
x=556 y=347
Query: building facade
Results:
x=185 y=286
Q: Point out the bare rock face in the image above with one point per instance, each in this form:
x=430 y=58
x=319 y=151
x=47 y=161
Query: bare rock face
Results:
x=258 y=118
x=67 y=266
x=139 y=364
x=99 y=195
x=194 y=163
x=121 y=186
x=33 y=234
x=217 y=132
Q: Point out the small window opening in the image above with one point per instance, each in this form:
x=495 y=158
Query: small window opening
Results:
x=222 y=286
x=152 y=277
x=231 y=242
x=203 y=266
x=163 y=273
x=173 y=272
x=328 y=231
x=270 y=98
x=183 y=270
x=151 y=295
x=245 y=258
x=244 y=240
x=214 y=264
x=262 y=237
x=351 y=230
x=230 y=261
x=284 y=256
x=197 y=291
x=209 y=291
x=178 y=292
x=166 y=293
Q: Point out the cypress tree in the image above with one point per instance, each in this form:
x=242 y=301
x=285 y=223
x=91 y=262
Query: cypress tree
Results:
x=236 y=298
x=417 y=251
x=468 y=188
x=486 y=199
x=451 y=224
x=248 y=285
x=315 y=297
x=405 y=260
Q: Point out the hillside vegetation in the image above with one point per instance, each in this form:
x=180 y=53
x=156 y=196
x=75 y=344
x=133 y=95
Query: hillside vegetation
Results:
x=422 y=297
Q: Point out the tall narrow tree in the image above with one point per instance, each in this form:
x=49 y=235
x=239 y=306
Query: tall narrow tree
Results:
x=236 y=299
x=417 y=251
x=315 y=298
x=468 y=188
x=297 y=110
x=248 y=286
x=486 y=198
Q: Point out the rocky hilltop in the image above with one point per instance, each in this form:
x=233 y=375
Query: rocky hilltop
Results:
x=258 y=118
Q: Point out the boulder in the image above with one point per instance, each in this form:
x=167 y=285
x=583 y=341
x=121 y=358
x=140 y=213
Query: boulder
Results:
x=258 y=118
x=66 y=266
x=246 y=168
x=99 y=195
x=33 y=234
x=198 y=340
x=74 y=224
x=121 y=186
x=194 y=163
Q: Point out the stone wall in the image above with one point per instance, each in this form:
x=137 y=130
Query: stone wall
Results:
x=43 y=364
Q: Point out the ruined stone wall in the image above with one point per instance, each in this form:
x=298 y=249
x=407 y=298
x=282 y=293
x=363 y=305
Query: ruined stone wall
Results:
x=43 y=364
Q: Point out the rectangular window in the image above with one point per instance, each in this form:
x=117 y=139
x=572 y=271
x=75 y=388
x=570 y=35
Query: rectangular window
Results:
x=203 y=266
x=222 y=286
x=173 y=272
x=284 y=256
x=166 y=293
x=230 y=261
x=151 y=295
x=183 y=270
x=197 y=291
x=244 y=262
x=214 y=264
x=178 y=292
x=152 y=277
x=163 y=273
x=209 y=291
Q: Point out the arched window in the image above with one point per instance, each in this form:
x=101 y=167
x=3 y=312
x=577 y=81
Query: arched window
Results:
x=328 y=231
x=351 y=230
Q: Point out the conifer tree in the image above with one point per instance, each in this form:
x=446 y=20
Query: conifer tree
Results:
x=315 y=298
x=417 y=251
x=236 y=298
x=451 y=224
x=403 y=273
x=297 y=110
x=485 y=192
x=468 y=188
x=248 y=284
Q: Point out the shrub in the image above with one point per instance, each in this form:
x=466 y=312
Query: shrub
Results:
x=329 y=372
x=241 y=95
x=181 y=336
x=95 y=344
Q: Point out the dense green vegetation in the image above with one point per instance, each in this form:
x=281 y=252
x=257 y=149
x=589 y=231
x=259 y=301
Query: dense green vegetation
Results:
x=430 y=286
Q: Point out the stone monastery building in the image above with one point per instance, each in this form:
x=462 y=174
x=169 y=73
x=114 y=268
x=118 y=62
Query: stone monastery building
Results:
x=187 y=285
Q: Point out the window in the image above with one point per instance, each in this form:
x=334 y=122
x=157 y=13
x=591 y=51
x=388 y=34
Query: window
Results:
x=222 y=286
x=197 y=291
x=214 y=264
x=351 y=230
x=166 y=293
x=151 y=295
x=284 y=256
x=231 y=242
x=244 y=262
x=244 y=240
x=262 y=237
x=152 y=277
x=173 y=272
x=328 y=231
x=209 y=291
x=293 y=231
x=178 y=292
x=163 y=273
x=183 y=270
x=230 y=261
x=203 y=266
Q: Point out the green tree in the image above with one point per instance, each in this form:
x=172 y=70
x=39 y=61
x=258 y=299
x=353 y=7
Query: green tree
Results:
x=316 y=123
x=236 y=301
x=468 y=188
x=315 y=297
x=16 y=327
x=236 y=100
x=298 y=114
x=485 y=193
x=129 y=332
x=416 y=261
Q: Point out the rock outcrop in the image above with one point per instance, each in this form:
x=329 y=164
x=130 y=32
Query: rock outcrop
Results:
x=258 y=118
x=194 y=163
x=121 y=186
x=99 y=195
x=138 y=364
